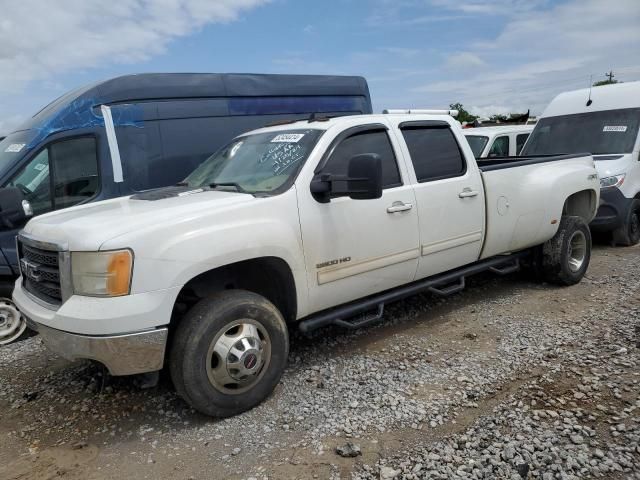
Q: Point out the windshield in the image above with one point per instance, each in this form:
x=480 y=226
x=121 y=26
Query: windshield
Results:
x=13 y=148
x=609 y=131
x=477 y=144
x=259 y=163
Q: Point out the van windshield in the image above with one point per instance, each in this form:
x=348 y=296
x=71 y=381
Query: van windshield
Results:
x=259 y=163
x=13 y=148
x=598 y=133
x=477 y=143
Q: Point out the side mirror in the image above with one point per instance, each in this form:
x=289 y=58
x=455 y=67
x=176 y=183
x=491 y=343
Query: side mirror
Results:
x=365 y=176
x=362 y=182
x=15 y=210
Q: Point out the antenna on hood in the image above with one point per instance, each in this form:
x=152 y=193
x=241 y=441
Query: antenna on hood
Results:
x=589 y=101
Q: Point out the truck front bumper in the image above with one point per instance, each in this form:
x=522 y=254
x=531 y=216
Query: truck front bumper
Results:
x=127 y=354
x=612 y=210
x=123 y=353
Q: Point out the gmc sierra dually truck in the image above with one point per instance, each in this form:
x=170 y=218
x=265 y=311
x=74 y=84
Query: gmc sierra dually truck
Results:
x=309 y=223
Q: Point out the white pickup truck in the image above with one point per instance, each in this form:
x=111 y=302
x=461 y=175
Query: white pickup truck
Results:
x=309 y=224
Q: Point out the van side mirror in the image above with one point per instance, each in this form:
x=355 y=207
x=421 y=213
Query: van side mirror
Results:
x=362 y=182
x=15 y=210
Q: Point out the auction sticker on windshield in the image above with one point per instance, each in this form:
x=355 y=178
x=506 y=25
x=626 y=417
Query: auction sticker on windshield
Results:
x=287 y=138
x=15 y=147
x=615 y=128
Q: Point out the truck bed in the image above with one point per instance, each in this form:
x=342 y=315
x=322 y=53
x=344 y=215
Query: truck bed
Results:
x=525 y=195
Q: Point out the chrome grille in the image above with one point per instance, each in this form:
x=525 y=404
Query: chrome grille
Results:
x=40 y=270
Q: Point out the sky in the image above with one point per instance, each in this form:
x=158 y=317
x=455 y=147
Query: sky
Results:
x=494 y=56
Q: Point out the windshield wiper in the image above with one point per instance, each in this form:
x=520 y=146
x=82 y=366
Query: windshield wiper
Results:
x=182 y=184
x=238 y=188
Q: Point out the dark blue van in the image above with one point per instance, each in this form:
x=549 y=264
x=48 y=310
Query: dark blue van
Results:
x=165 y=125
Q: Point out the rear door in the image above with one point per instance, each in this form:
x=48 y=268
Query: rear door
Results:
x=354 y=248
x=449 y=195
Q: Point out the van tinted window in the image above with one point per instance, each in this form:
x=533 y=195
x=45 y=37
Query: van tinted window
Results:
x=75 y=171
x=33 y=180
x=609 y=131
x=74 y=164
x=435 y=153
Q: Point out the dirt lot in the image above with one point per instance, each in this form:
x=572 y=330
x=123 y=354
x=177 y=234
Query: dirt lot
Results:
x=509 y=379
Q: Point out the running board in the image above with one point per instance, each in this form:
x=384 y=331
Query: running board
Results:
x=443 y=284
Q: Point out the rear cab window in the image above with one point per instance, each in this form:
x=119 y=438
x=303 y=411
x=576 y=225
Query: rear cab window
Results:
x=435 y=153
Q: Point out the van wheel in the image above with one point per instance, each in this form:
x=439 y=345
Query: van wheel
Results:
x=629 y=233
x=229 y=352
x=566 y=256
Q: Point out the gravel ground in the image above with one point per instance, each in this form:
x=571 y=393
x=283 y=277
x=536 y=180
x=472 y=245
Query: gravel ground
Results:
x=509 y=379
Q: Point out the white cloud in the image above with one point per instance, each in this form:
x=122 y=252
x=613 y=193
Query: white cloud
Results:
x=464 y=60
x=489 y=7
x=39 y=38
x=543 y=53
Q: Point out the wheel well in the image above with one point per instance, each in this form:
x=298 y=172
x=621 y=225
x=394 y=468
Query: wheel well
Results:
x=581 y=204
x=270 y=277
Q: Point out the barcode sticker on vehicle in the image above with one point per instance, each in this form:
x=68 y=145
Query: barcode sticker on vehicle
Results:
x=615 y=128
x=15 y=147
x=287 y=138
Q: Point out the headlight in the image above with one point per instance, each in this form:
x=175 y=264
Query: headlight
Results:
x=102 y=274
x=614 y=181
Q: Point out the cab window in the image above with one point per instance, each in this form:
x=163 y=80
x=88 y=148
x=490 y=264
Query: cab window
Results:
x=500 y=147
x=61 y=175
x=521 y=139
x=366 y=142
x=435 y=153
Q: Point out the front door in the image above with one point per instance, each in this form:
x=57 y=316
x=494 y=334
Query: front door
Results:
x=354 y=248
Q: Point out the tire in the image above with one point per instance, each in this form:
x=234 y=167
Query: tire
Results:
x=13 y=325
x=566 y=256
x=204 y=368
x=629 y=233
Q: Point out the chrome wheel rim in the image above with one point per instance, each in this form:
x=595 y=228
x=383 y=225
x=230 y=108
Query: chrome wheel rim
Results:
x=577 y=251
x=12 y=323
x=238 y=356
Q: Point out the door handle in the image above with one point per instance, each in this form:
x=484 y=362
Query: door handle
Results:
x=467 y=192
x=399 y=207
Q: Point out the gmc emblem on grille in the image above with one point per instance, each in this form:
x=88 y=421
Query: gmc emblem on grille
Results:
x=30 y=270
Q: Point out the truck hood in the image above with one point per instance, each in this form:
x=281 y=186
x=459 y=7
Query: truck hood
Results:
x=87 y=227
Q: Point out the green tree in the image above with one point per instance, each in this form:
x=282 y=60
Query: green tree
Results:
x=608 y=81
x=463 y=115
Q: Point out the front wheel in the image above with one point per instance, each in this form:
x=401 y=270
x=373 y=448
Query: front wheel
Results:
x=566 y=256
x=628 y=233
x=229 y=352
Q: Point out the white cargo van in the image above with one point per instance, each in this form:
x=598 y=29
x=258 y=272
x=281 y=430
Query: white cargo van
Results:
x=497 y=141
x=604 y=122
